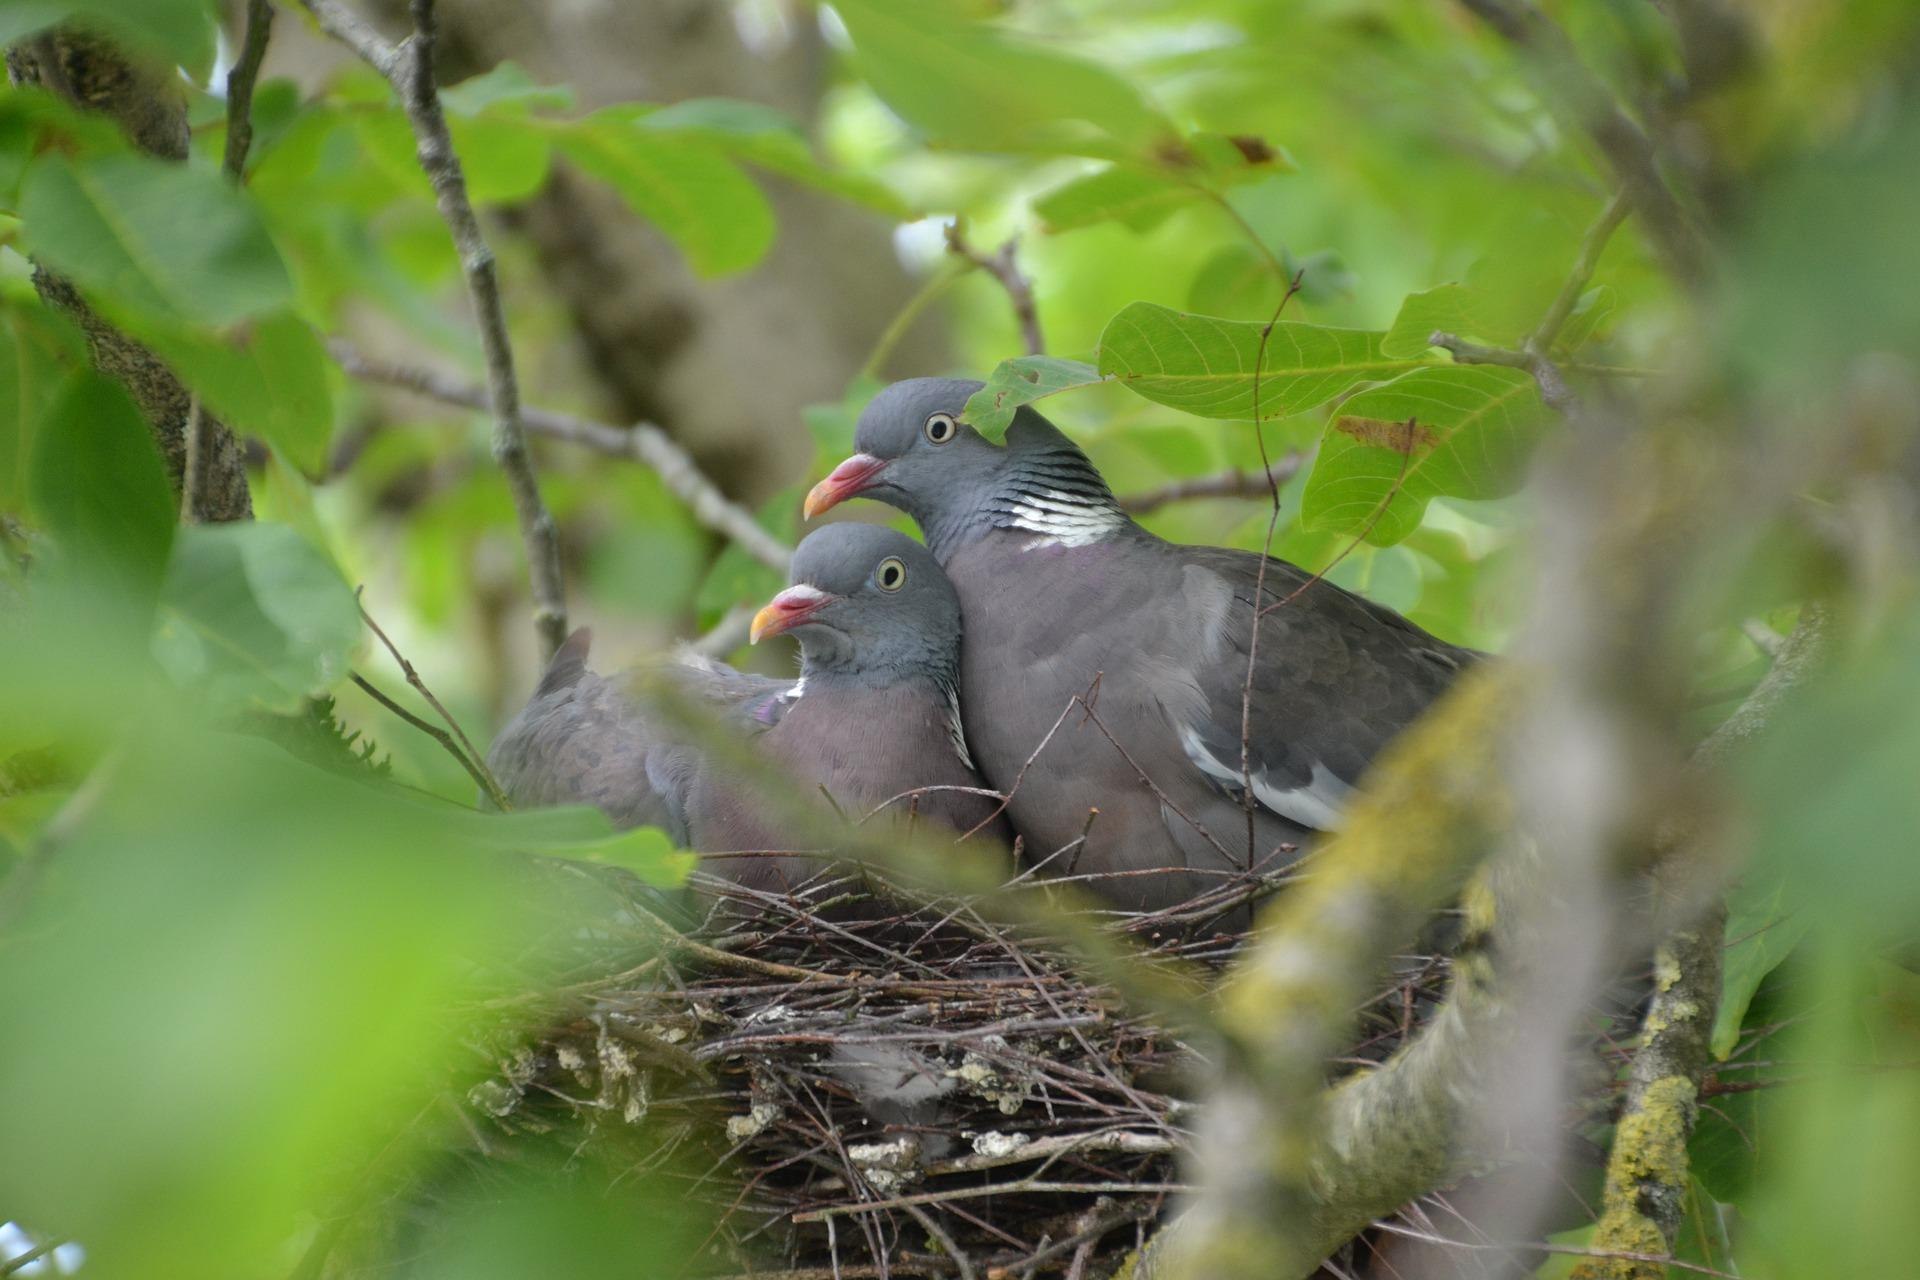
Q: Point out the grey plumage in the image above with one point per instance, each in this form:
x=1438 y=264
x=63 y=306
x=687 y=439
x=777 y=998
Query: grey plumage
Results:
x=1059 y=586
x=874 y=714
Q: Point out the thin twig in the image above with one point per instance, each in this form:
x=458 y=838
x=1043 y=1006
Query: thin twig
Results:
x=1546 y=374
x=492 y=785
x=240 y=82
x=476 y=771
x=19 y=1261
x=1592 y=245
x=1002 y=267
x=933 y=1228
x=937 y=282
x=1236 y=482
x=408 y=67
x=1006 y=1188
x=643 y=442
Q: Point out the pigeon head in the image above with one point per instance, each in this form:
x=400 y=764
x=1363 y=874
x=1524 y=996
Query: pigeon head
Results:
x=867 y=602
x=916 y=452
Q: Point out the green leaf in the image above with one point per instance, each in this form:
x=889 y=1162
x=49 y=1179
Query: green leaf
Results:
x=253 y=616
x=36 y=351
x=972 y=85
x=270 y=380
x=696 y=196
x=100 y=488
x=181 y=30
x=1588 y=318
x=1456 y=430
x=1021 y=381
x=736 y=577
x=1762 y=930
x=505 y=157
x=759 y=135
x=647 y=852
x=169 y=241
x=1138 y=199
x=1205 y=366
x=1447 y=307
x=1236 y=281
x=505 y=84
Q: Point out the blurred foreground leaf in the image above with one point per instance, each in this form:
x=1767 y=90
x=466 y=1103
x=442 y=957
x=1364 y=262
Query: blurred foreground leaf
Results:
x=1021 y=381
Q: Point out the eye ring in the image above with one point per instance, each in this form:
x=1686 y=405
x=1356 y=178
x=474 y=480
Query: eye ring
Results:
x=942 y=427
x=890 y=574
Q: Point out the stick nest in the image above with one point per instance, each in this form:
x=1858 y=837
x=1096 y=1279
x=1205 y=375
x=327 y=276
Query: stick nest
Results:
x=850 y=1089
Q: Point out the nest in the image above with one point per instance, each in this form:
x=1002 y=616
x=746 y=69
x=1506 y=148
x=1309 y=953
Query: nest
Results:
x=855 y=1090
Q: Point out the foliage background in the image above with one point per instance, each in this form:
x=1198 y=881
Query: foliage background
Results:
x=232 y=973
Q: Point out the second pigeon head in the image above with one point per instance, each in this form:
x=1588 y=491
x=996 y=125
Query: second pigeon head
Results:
x=867 y=603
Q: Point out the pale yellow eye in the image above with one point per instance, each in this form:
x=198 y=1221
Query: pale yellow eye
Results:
x=941 y=428
x=891 y=575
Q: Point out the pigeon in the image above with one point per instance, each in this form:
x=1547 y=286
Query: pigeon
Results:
x=1105 y=667
x=874 y=714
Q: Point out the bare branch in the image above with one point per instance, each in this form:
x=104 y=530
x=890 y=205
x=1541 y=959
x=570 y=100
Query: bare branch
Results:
x=1002 y=267
x=643 y=442
x=475 y=770
x=240 y=82
x=1237 y=482
x=408 y=67
x=488 y=782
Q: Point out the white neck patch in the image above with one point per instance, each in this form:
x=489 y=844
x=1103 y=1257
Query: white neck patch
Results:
x=1064 y=519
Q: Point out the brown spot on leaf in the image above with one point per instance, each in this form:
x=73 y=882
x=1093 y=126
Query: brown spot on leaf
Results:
x=1256 y=150
x=1382 y=433
x=1174 y=153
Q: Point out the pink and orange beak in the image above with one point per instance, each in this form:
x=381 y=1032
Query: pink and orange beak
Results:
x=788 y=610
x=846 y=480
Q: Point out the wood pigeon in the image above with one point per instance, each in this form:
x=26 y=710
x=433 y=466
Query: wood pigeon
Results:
x=874 y=713
x=1064 y=595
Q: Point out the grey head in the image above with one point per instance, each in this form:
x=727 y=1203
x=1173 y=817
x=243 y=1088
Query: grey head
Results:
x=867 y=604
x=917 y=452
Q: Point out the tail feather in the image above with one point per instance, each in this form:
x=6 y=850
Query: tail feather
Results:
x=568 y=665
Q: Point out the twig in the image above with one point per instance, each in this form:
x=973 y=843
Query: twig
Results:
x=490 y=783
x=481 y=778
x=643 y=442
x=240 y=82
x=1546 y=374
x=1592 y=245
x=937 y=282
x=973 y=1193
x=947 y=1242
x=19 y=1261
x=1237 y=482
x=1002 y=267
x=408 y=67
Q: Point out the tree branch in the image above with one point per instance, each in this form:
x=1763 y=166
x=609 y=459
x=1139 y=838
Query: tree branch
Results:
x=1002 y=267
x=149 y=106
x=408 y=67
x=1592 y=245
x=1553 y=384
x=240 y=82
x=1237 y=482
x=643 y=442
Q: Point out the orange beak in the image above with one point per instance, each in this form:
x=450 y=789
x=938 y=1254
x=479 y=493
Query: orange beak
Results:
x=846 y=480
x=788 y=610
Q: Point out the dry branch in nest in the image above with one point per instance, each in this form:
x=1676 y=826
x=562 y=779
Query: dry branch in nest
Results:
x=857 y=1089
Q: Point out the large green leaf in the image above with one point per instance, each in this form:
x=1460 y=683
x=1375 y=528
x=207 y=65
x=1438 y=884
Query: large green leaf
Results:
x=171 y=242
x=1455 y=430
x=973 y=85
x=695 y=195
x=761 y=136
x=1448 y=307
x=270 y=380
x=180 y=30
x=36 y=351
x=1762 y=930
x=253 y=616
x=1136 y=198
x=99 y=486
x=1205 y=366
x=1020 y=381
